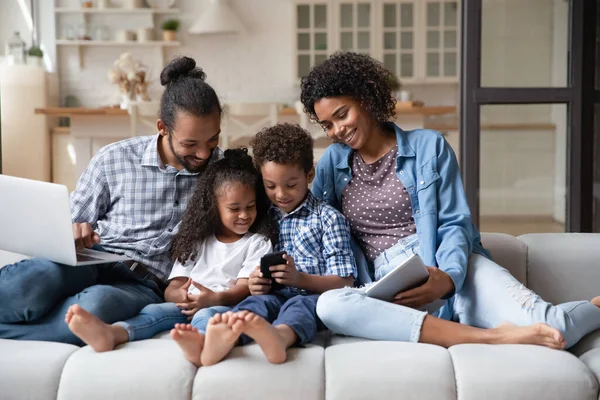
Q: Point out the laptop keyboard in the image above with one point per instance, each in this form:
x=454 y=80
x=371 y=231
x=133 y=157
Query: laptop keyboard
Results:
x=83 y=257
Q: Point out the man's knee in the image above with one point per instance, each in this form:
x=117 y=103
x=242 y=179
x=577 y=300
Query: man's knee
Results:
x=29 y=290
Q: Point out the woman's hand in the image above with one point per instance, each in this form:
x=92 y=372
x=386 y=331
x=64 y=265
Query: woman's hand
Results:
x=257 y=284
x=286 y=274
x=195 y=302
x=437 y=286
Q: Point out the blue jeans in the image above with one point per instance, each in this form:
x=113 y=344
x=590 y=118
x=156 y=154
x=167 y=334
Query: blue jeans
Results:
x=157 y=318
x=490 y=295
x=285 y=307
x=36 y=294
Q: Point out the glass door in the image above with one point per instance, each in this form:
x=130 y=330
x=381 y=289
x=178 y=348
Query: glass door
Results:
x=527 y=105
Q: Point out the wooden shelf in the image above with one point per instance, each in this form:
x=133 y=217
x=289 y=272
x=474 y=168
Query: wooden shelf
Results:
x=79 y=44
x=151 y=43
x=142 y=11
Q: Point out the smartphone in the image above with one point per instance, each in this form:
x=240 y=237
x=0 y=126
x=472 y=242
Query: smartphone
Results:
x=268 y=260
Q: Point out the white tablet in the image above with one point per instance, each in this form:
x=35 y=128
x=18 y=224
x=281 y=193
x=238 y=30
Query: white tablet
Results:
x=410 y=274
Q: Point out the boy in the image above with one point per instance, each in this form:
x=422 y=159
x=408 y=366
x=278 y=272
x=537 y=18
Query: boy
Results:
x=316 y=239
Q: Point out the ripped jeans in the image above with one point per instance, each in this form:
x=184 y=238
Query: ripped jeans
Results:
x=490 y=295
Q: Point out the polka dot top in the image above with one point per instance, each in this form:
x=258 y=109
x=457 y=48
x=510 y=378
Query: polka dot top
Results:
x=377 y=205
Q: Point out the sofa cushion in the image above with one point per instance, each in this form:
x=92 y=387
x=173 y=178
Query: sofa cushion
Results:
x=148 y=369
x=31 y=370
x=246 y=374
x=520 y=372
x=388 y=370
x=563 y=267
x=509 y=252
x=592 y=360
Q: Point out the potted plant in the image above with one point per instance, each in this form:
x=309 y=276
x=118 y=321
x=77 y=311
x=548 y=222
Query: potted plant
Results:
x=170 y=28
x=34 y=56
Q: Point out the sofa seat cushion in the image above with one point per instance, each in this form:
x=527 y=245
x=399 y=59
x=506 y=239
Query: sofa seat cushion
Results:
x=148 y=369
x=388 y=370
x=520 y=372
x=31 y=370
x=246 y=374
x=592 y=360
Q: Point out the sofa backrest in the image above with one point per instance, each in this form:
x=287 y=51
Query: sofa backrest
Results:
x=563 y=266
x=509 y=252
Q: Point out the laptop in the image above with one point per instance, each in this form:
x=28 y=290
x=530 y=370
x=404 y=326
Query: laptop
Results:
x=35 y=220
x=408 y=275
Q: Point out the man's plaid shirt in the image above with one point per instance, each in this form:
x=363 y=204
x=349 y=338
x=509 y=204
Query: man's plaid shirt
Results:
x=134 y=201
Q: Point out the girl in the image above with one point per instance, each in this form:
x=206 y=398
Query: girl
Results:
x=224 y=233
x=402 y=193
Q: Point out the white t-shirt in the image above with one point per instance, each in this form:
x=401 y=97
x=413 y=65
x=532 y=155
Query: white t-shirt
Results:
x=218 y=265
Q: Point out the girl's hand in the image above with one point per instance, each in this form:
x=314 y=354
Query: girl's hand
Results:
x=287 y=274
x=196 y=302
x=257 y=284
x=438 y=285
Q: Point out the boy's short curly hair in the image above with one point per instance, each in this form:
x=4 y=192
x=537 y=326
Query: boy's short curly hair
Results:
x=284 y=144
x=350 y=74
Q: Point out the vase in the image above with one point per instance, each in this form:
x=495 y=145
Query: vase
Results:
x=169 y=36
x=125 y=101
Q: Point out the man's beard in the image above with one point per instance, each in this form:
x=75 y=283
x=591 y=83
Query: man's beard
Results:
x=186 y=164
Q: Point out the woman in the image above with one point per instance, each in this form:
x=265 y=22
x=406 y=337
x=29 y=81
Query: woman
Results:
x=403 y=194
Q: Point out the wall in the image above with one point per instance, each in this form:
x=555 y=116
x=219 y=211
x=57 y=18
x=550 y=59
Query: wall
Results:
x=12 y=20
x=252 y=67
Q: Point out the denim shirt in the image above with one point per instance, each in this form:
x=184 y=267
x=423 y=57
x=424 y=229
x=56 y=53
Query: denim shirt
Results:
x=427 y=167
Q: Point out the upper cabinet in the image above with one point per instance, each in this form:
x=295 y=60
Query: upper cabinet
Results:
x=416 y=39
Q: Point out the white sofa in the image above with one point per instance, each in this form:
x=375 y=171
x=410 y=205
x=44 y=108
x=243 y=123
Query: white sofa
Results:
x=560 y=267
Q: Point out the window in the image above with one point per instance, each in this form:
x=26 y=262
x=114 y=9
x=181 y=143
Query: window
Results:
x=418 y=40
x=312 y=36
x=442 y=39
x=355 y=26
x=399 y=38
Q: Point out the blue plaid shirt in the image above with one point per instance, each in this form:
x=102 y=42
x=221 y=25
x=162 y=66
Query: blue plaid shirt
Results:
x=317 y=236
x=134 y=201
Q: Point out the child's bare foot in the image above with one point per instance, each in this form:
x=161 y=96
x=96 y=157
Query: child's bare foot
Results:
x=220 y=338
x=98 y=335
x=596 y=301
x=268 y=337
x=190 y=341
x=539 y=334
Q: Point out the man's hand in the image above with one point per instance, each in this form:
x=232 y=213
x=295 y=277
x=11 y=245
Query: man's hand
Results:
x=177 y=294
x=195 y=302
x=286 y=274
x=257 y=284
x=438 y=285
x=84 y=235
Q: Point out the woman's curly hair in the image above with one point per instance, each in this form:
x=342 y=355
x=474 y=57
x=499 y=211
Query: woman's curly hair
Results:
x=201 y=218
x=284 y=144
x=350 y=74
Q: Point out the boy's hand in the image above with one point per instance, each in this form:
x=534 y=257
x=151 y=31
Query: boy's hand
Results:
x=257 y=284
x=286 y=274
x=196 y=302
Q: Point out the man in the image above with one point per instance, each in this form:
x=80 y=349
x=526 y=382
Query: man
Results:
x=129 y=201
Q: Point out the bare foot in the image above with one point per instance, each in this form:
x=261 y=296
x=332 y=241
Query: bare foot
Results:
x=220 y=338
x=190 y=341
x=98 y=335
x=272 y=343
x=539 y=334
x=596 y=301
